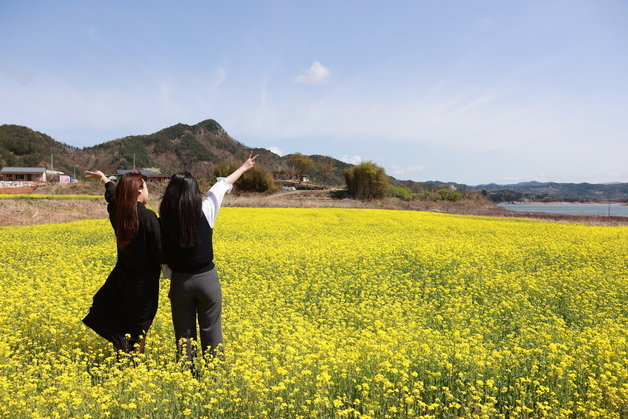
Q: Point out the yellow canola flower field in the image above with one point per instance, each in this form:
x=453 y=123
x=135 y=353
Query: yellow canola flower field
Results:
x=335 y=313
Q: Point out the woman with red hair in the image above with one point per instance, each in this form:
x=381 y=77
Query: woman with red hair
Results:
x=125 y=306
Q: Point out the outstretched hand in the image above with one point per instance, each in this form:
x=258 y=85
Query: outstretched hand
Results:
x=96 y=174
x=250 y=162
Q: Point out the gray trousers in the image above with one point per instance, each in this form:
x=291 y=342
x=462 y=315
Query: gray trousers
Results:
x=193 y=295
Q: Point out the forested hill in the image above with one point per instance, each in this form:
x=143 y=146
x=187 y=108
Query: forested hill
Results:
x=193 y=147
x=200 y=147
x=21 y=146
x=535 y=191
x=552 y=191
x=196 y=148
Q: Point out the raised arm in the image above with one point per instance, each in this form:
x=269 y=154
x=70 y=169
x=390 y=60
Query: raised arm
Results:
x=109 y=185
x=97 y=174
x=213 y=200
x=248 y=164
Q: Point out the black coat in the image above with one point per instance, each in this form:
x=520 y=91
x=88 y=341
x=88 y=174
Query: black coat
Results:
x=127 y=303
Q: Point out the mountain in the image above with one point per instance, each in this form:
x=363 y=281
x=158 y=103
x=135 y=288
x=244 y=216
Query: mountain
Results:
x=21 y=146
x=179 y=147
x=196 y=148
x=199 y=147
x=552 y=191
x=532 y=191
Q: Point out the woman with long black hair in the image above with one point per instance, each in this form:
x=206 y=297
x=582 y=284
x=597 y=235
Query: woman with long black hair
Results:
x=187 y=222
x=124 y=307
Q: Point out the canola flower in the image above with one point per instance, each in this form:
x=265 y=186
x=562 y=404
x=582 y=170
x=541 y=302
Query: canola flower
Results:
x=335 y=313
x=41 y=196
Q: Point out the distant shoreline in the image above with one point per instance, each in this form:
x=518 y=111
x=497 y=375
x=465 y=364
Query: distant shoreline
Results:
x=561 y=203
x=25 y=212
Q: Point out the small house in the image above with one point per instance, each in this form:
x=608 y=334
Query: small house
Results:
x=23 y=174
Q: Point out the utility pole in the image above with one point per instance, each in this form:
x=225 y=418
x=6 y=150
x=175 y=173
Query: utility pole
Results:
x=133 y=161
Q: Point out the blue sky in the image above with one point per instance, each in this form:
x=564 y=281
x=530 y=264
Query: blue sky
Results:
x=465 y=91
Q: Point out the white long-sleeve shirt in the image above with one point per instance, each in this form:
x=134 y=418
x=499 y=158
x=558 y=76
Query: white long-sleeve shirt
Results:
x=211 y=205
x=213 y=199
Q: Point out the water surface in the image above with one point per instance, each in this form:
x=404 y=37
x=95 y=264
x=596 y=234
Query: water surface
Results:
x=616 y=210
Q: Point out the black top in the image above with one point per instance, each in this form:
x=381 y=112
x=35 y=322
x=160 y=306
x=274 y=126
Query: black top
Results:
x=193 y=260
x=144 y=251
x=127 y=302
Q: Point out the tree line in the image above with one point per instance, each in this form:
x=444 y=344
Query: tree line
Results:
x=366 y=181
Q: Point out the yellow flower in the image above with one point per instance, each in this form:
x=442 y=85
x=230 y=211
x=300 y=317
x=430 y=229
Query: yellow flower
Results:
x=331 y=312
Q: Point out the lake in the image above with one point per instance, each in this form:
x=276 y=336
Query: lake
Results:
x=616 y=210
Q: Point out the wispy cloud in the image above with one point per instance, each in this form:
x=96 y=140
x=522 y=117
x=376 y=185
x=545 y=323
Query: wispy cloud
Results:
x=314 y=74
x=406 y=171
x=219 y=77
x=276 y=150
x=351 y=159
x=512 y=180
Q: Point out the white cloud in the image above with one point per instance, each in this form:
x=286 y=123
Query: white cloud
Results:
x=405 y=171
x=351 y=159
x=315 y=74
x=512 y=180
x=218 y=78
x=276 y=150
x=496 y=123
x=471 y=120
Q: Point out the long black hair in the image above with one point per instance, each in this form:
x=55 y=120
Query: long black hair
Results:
x=181 y=210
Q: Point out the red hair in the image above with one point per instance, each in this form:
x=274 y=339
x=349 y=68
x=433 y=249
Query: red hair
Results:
x=125 y=213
